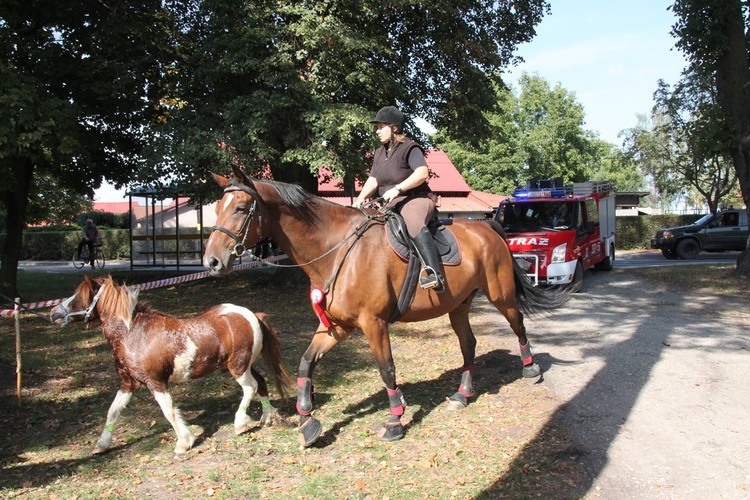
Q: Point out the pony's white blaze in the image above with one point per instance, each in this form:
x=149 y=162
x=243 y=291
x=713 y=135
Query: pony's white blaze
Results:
x=183 y=362
x=252 y=319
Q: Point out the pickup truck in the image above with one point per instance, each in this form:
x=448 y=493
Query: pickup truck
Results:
x=719 y=232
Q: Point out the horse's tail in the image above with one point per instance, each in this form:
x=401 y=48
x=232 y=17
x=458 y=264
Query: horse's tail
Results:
x=271 y=353
x=532 y=299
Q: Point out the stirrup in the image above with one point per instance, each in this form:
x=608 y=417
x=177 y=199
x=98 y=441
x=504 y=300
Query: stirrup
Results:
x=430 y=280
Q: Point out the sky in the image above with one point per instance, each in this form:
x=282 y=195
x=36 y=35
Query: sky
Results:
x=609 y=53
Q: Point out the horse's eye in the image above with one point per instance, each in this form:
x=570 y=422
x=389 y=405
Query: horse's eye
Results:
x=241 y=209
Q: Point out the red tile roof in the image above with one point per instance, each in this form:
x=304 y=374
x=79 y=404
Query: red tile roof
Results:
x=114 y=207
x=456 y=196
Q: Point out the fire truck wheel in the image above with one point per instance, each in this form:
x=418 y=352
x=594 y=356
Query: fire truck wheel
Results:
x=609 y=262
x=577 y=283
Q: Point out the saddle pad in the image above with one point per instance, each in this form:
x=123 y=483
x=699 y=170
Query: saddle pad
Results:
x=445 y=241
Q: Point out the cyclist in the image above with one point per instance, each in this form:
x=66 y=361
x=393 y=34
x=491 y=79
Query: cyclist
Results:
x=90 y=237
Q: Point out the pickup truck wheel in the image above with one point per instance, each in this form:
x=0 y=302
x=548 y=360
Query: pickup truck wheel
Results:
x=688 y=249
x=669 y=253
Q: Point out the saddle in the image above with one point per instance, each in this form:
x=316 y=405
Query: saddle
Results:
x=400 y=242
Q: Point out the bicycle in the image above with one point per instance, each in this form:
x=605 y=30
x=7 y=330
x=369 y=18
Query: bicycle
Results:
x=81 y=260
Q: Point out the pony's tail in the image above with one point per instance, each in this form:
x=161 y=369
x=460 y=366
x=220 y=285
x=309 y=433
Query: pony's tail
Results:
x=532 y=299
x=271 y=353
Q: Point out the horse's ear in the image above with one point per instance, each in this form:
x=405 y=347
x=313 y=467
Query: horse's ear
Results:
x=220 y=180
x=242 y=177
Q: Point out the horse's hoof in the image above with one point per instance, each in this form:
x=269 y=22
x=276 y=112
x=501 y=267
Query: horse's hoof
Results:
x=99 y=450
x=310 y=432
x=457 y=402
x=241 y=429
x=532 y=371
x=392 y=432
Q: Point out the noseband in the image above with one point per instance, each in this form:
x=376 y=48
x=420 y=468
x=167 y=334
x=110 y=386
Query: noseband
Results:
x=238 y=237
x=87 y=312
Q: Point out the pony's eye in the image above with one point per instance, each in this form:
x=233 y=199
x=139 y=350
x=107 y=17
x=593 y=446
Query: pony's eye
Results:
x=241 y=209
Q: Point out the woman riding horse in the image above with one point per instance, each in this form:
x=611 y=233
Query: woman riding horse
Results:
x=399 y=175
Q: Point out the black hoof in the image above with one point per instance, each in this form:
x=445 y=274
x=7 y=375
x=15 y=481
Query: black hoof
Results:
x=310 y=431
x=532 y=371
x=458 y=402
x=392 y=432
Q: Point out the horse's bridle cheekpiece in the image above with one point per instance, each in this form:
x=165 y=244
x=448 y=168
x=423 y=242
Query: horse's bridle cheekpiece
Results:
x=240 y=247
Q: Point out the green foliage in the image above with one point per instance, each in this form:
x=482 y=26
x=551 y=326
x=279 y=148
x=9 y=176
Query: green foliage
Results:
x=635 y=233
x=53 y=244
x=536 y=134
x=288 y=87
x=686 y=145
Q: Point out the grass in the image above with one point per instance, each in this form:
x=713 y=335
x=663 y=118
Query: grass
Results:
x=501 y=445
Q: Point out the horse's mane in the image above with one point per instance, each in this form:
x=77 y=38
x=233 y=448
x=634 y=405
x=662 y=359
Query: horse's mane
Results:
x=117 y=301
x=303 y=204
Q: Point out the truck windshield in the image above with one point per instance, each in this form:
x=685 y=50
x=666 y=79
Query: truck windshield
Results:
x=534 y=216
x=703 y=219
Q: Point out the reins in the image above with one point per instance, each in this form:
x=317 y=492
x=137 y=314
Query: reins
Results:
x=240 y=249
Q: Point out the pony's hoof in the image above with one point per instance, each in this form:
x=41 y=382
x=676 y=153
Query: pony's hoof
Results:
x=99 y=450
x=532 y=371
x=241 y=429
x=457 y=402
x=310 y=432
x=393 y=431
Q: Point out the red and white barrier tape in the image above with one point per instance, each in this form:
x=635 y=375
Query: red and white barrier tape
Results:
x=152 y=284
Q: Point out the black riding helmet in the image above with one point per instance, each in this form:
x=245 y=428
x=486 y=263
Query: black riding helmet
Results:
x=390 y=115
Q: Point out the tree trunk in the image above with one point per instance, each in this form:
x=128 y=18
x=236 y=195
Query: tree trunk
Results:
x=733 y=95
x=15 y=201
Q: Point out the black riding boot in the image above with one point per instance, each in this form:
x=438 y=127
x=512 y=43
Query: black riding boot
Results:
x=433 y=275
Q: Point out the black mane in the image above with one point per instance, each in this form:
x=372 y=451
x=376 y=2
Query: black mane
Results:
x=304 y=205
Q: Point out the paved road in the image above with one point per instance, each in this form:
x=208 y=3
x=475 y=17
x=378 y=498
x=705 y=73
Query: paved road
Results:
x=626 y=259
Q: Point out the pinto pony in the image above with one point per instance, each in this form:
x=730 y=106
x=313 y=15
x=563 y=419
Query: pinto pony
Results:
x=356 y=280
x=154 y=349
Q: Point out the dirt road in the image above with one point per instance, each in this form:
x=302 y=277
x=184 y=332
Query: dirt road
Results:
x=652 y=387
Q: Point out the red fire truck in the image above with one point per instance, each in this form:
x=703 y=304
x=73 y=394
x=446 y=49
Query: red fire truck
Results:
x=557 y=232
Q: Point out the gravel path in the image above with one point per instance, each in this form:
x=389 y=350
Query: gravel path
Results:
x=651 y=385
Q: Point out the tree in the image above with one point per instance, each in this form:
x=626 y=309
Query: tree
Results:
x=289 y=87
x=537 y=134
x=715 y=37
x=77 y=85
x=686 y=148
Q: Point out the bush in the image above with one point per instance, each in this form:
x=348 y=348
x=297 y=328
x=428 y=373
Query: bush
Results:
x=59 y=245
x=635 y=233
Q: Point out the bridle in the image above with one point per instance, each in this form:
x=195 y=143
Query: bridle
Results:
x=241 y=236
x=238 y=237
x=87 y=312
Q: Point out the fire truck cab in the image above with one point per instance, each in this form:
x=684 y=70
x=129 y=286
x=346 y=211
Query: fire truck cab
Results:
x=557 y=232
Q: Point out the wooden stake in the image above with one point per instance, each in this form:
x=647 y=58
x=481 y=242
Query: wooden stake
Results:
x=16 y=311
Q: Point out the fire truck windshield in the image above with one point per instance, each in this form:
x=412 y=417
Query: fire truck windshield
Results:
x=523 y=216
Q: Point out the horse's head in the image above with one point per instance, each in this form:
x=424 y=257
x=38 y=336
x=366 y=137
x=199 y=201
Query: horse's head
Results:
x=96 y=298
x=238 y=223
x=80 y=306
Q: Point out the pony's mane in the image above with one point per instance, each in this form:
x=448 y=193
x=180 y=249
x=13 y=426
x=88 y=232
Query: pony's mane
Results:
x=118 y=301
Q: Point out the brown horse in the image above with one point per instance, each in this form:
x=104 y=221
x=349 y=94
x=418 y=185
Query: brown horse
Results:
x=155 y=349
x=344 y=252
